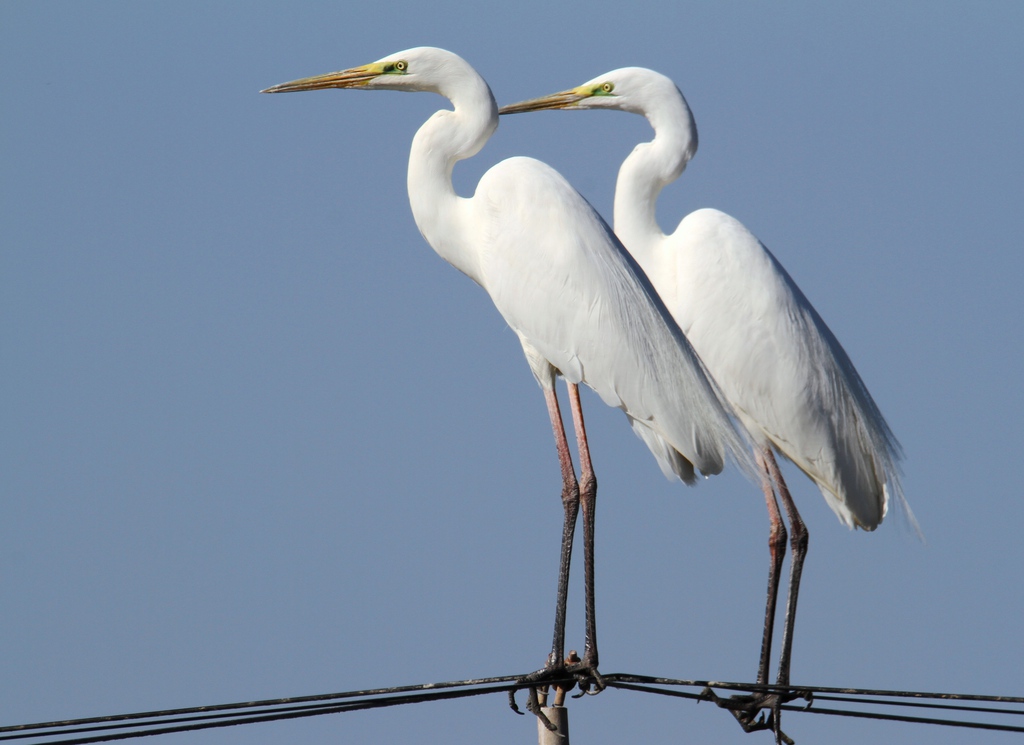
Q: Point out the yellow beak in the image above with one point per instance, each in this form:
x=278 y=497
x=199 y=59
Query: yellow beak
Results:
x=352 y=78
x=563 y=100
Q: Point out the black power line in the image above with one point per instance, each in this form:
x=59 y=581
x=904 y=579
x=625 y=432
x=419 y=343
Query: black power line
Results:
x=142 y=724
x=861 y=697
x=125 y=726
x=260 y=704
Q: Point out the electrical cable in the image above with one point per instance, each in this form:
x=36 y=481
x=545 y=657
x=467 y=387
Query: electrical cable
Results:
x=852 y=695
x=142 y=724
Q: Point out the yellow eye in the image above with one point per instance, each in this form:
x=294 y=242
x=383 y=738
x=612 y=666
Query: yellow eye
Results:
x=608 y=87
x=390 y=68
x=605 y=89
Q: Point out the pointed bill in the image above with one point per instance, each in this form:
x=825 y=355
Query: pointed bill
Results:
x=352 y=78
x=563 y=100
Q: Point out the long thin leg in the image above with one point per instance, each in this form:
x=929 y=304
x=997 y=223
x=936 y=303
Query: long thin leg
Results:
x=570 y=505
x=745 y=708
x=798 y=545
x=588 y=499
x=776 y=545
x=556 y=663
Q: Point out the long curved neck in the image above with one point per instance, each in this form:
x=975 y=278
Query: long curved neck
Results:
x=446 y=138
x=648 y=169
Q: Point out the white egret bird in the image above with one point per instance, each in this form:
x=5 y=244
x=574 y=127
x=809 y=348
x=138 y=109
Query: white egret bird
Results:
x=580 y=305
x=785 y=374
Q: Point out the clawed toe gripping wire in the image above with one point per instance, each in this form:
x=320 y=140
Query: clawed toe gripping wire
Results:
x=761 y=710
x=563 y=678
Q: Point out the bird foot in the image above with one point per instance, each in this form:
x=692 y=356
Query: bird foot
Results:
x=761 y=710
x=563 y=676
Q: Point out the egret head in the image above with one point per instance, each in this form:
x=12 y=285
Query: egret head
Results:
x=417 y=69
x=633 y=89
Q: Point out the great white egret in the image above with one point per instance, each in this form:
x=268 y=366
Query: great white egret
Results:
x=785 y=374
x=580 y=305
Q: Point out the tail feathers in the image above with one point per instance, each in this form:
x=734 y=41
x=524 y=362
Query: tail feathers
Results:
x=672 y=463
x=867 y=510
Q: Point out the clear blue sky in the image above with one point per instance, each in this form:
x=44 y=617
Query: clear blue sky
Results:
x=258 y=440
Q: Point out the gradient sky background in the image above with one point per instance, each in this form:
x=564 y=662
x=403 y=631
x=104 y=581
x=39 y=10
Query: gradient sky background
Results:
x=260 y=441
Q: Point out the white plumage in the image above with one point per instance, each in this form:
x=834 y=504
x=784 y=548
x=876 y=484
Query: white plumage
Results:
x=584 y=309
x=788 y=378
x=785 y=374
x=579 y=303
x=779 y=365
